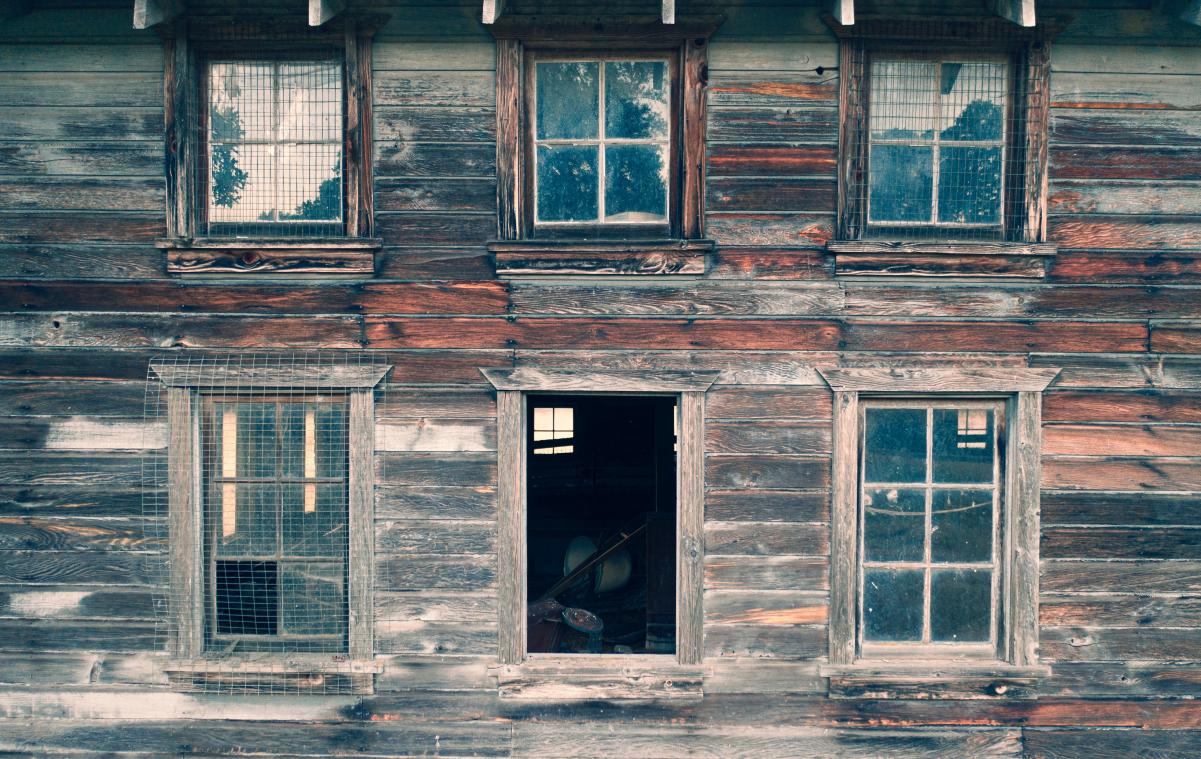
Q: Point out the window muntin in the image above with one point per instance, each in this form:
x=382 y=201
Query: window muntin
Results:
x=929 y=526
x=937 y=136
x=276 y=517
x=602 y=141
x=554 y=430
x=274 y=141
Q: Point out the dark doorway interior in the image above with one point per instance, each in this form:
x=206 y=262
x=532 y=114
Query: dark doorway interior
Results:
x=601 y=522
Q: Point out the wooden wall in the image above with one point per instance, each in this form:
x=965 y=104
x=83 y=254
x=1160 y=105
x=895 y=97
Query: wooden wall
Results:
x=85 y=302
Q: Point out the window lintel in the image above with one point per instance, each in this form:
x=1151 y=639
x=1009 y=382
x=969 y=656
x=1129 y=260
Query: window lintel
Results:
x=926 y=380
x=530 y=379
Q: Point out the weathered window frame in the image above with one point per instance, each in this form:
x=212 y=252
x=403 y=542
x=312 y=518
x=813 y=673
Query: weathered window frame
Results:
x=1023 y=251
x=188 y=44
x=513 y=387
x=186 y=388
x=608 y=249
x=1015 y=669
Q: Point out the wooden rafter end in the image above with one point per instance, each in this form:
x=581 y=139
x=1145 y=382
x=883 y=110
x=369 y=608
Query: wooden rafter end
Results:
x=321 y=11
x=150 y=13
x=492 y=10
x=844 y=12
x=1020 y=12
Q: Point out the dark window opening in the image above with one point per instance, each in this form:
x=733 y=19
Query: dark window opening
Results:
x=601 y=525
x=247 y=597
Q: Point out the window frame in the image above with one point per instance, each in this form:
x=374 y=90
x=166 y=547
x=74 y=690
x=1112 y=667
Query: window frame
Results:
x=187 y=388
x=189 y=45
x=677 y=247
x=1015 y=663
x=552 y=230
x=514 y=388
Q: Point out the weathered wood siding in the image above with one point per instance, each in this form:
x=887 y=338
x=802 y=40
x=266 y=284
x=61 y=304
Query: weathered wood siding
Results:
x=85 y=303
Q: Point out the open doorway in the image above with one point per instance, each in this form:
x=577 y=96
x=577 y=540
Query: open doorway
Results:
x=601 y=524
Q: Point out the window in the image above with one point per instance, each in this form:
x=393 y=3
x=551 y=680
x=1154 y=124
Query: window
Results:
x=600 y=146
x=265 y=496
x=553 y=426
x=276 y=500
x=274 y=148
x=624 y=488
x=268 y=146
x=602 y=134
x=929 y=512
x=934 y=552
x=943 y=136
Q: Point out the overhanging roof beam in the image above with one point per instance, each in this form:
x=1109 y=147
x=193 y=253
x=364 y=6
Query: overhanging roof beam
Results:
x=321 y=11
x=1020 y=12
x=844 y=12
x=492 y=10
x=151 y=13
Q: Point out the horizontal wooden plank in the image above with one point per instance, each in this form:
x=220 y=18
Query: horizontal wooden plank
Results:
x=1124 y=91
x=65 y=433
x=1120 y=611
x=429 y=159
x=1126 y=59
x=1118 y=744
x=1122 y=679
x=731 y=262
x=1060 y=576
x=76 y=602
x=435 y=606
x=776 y=88
x=927 y=265
x=83 y=499
x=134 y=57
x=435 y=572
x=83 y=669
x=69 y=635
x=1142 y=509
x=1120 y=644
x=766 y=539
x=90 y=88
x=1121 y=440
x=434 y=263
x=1136 y=128
x=78 y=533
x=767 y=505
x=433 y=55
x=96 y=469
x=741 y=160
x=431 y=435
x=1119 y=372
x=119 y=261
x=81 y=193
x=804 y=573
x=1143 y=474
x=766 y=436
x=417 y=637
x=434 y=88
x=1109 y=162
x=737 y=367
x=56 y=227
x=1122 y=406
x=418 y=502
x=436 y=469
x=434 y=228
x=1018 y=301
x=768 y=641
x=399 y=402
x=1123 y=197
x=770 y=194
x=1166 y=267
x=1093 y=542
x=434 y=536
x=710 y=299
x=1176 y=338
x=433 y=194
x=799 y=124
x=196 y=331
x=1125 y=232
x=780 y=608
x=802 y=230
x=766 y=403
x=444 y=124
x=767 y=472
x=74 y=124
x=120 y=158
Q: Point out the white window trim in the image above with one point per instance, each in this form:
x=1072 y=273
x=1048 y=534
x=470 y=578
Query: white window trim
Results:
x=1021 y=389
x=185 y=384
x=512 y=387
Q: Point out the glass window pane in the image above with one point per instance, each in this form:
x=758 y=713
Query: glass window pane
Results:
x=312 y=598
x=892 y=605
x=254 y=446
x=310 y=102
x=973 y=101
x=567 y=183
x=246 y=596
x=245 y=519
x=314 y=519
x=895 y=445
x=960 y=605
x=969 y=185
x=901 y=99
x=963 y=445
x=240 y=102
x=901 y=186
x=635 y=183
x=636 y=100
x=332 y=435
x=310 y=183
x=568 y=100
x=961 y=522
x=241 y=183
x=894 y=525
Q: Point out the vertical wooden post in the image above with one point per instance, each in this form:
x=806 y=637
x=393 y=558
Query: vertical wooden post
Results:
x=1022 y=484
x=185 y=524
x=179 y=150
x=695 y=75
x=511 y=559
x=359 y=201
x=690 y=514
x=843 y=527
x=1037 y=91
x=360 y=523
x=509 y=135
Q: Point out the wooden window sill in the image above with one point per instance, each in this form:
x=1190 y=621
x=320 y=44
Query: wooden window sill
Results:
x=244 y=258
x=933 y=679
x=882 y=258
x=274 y=673
x=590 y=676
x=540 y=258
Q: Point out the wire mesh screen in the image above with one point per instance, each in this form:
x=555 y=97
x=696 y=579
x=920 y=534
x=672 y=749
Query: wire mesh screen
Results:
x=273 y=135
x=261 y=442
x=943 y=153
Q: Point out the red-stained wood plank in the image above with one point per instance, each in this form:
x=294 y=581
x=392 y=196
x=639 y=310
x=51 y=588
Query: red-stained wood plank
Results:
x=1166 y=267
x=1122 y=406
x=729 y=160
x=1121 y=440
x=1125 y=232
x=731 y=262
x=1148 y=474
x=1094 y=542
x=1176 y=338
x=1109 y=162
